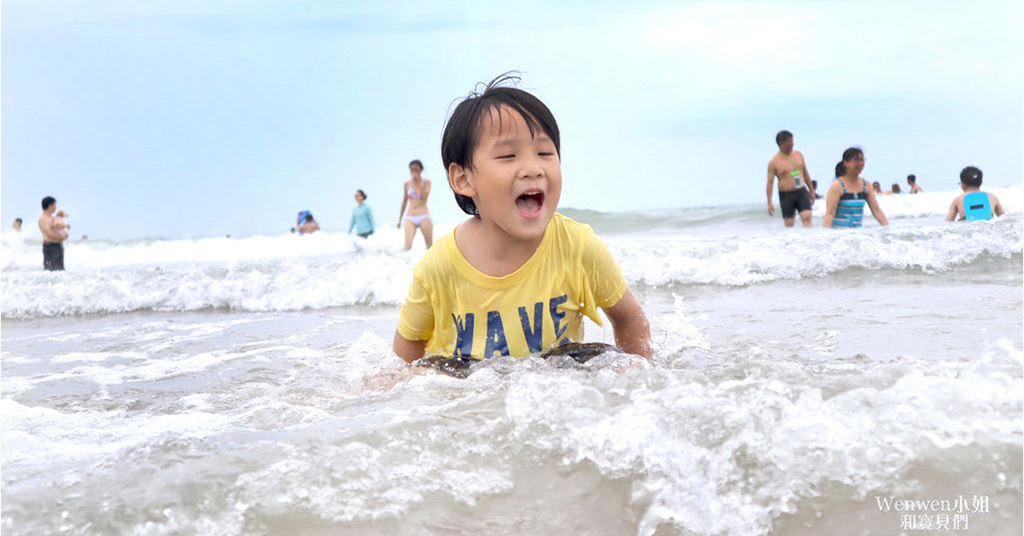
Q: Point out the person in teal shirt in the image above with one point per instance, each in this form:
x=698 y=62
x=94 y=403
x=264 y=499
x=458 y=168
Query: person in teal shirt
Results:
x=362 y=217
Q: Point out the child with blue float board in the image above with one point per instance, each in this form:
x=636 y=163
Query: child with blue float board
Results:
x=516 y=278
x=973 y=204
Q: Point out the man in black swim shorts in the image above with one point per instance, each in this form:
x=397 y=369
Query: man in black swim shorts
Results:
x=796 y=190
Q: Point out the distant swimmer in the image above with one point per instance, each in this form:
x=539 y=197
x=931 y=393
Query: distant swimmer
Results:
x=796 y=191
x=844 y=204
x=414 y=195
x=362 y=217
x=17 y=224
x=817 y=192
x=55 y=232
x=309 y=224
x=915 y=188
x=973 y=204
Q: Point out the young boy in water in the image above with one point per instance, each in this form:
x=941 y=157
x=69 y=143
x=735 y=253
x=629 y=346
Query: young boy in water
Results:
x=973 y=204
x=516 y=278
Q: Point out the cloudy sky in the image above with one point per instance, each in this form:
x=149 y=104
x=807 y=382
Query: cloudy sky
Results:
x=204 y=118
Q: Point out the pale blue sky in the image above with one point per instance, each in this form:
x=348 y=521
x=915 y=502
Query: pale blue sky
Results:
x=197 y=118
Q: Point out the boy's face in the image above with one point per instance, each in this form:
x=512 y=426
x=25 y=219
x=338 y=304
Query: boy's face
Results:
x=517 y=180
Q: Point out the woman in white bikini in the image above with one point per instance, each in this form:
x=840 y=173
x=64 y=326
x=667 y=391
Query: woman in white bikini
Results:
x=414 y=195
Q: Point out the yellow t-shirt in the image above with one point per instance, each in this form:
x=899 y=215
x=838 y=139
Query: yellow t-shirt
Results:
x=460 y=311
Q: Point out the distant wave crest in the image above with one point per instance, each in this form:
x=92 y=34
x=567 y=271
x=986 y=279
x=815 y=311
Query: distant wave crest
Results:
x=288 y=273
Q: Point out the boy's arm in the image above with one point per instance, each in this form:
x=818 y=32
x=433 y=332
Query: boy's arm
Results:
x=409 y=350
x=997 y=207
x=632 y=331
x=952 y=210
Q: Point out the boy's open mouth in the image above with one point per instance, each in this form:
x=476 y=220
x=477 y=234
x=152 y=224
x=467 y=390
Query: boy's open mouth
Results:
x=530 y=203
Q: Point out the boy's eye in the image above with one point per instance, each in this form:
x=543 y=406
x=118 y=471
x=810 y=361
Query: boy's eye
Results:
x=506 y=156
x=546 y=153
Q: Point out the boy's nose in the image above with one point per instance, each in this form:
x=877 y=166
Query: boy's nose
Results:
x=532 y=167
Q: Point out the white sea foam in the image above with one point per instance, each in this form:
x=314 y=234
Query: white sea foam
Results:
x=757 y=257
x=233 y=422
x=712 y=455
x=76 y=436
x=288 y=272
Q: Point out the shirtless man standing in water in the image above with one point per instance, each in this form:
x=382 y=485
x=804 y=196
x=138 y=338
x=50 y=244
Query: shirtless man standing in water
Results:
x=55 y=232
x=796 y=191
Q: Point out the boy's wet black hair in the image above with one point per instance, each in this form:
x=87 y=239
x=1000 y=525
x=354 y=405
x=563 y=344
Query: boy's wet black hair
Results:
x=462 y=133
x=47 y=201
x=971 y=176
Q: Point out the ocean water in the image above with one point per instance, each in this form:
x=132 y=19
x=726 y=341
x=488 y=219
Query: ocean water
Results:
x=805 y=382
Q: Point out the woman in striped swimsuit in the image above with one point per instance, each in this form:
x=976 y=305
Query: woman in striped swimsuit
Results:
x=844 y=205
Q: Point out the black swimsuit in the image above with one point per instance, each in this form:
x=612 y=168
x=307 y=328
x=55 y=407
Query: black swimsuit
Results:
x=793 y=201
x=53 y=256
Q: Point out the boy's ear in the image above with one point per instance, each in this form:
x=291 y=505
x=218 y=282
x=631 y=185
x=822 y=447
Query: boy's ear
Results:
x=459 y=180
